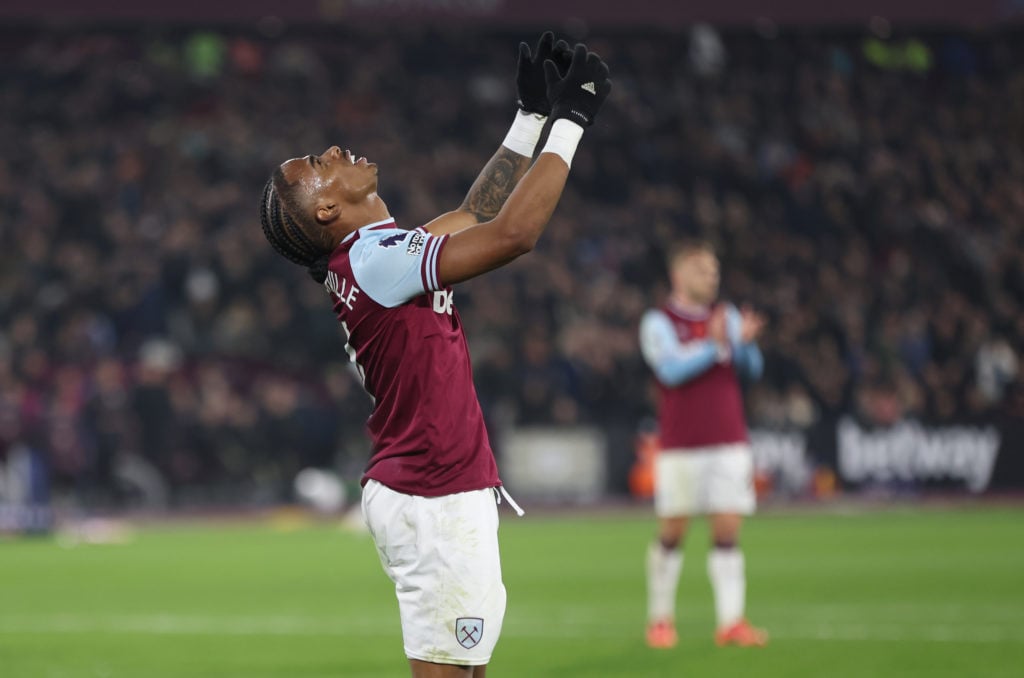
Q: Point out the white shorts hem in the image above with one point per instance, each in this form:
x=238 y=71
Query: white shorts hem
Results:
x=703 y=481
x=451 y=661
x=679 y=513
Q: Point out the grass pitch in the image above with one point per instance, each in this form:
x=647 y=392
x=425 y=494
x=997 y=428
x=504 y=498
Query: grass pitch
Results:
x=897 y=593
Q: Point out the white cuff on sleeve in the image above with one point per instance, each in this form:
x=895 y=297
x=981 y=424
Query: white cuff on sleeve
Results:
x=563 y=139
x=524 y=134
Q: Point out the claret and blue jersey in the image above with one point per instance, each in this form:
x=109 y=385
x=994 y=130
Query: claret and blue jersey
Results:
x=701 y=404
x=407 y=342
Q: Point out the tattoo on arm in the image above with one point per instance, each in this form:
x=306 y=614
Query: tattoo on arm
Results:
x=495 y=183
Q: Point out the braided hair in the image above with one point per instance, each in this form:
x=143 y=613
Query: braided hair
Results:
x=286 y=234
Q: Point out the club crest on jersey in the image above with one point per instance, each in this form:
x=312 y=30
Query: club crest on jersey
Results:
x=469 y=631
x=415 y=244
x=391 y=240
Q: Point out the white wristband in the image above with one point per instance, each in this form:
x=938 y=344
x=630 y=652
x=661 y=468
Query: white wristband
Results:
x=524 y=134
x=563 y=139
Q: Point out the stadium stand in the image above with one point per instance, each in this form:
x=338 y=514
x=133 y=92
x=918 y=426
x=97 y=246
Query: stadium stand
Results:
x=866 y=194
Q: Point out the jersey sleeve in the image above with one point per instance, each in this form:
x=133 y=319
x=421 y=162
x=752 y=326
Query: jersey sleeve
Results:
x=673 y=361
x=393 y=266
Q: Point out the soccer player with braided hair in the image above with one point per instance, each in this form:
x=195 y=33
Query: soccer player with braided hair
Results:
x=431 y=486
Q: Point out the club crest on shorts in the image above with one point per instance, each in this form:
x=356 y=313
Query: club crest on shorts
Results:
x=469 y=631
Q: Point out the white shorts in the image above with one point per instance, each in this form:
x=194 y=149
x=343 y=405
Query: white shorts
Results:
x=442 y=554
x=704 y=480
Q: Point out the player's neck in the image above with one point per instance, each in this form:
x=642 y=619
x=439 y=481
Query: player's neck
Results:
x=687 y=303
x=370 y=211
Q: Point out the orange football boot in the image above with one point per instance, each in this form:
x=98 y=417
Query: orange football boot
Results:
x=742 y=634
x=662 y=635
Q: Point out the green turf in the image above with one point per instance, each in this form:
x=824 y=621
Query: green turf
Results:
x=897 y=593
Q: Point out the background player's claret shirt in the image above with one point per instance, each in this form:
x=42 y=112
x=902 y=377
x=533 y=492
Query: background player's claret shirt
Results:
x=407 y=342
x=700 y=403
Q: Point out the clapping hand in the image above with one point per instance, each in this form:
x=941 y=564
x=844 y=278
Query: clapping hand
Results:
x=752 y=324
x=578 y=94
x=531 y=85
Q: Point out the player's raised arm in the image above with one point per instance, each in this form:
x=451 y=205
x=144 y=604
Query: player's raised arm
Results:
x=575 y=100
x=509 y=163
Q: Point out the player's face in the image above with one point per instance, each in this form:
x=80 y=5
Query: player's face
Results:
x=333 y=176
x=696 y=275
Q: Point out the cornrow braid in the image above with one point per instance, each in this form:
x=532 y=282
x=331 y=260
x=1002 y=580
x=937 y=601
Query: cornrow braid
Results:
x=287 y=237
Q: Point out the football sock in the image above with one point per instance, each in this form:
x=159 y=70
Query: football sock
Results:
x=729 y=584
x=663 y=568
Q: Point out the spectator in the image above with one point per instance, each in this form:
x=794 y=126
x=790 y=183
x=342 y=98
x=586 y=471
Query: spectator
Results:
x=873 y=214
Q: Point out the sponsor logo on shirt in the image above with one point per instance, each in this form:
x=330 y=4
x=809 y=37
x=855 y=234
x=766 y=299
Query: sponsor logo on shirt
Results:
x=415 y=247
x=443 y=301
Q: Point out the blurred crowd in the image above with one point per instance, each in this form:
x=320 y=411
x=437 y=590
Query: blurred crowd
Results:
x=865 y=191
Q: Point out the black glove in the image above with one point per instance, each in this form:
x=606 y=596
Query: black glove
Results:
x=531 y=86
x=578 y=94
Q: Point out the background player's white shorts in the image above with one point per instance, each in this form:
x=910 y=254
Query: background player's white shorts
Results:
x=442 y=554
x=703 y=480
